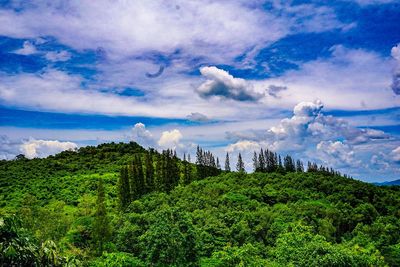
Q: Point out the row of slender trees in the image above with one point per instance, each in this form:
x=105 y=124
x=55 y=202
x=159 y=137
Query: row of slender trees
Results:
x=268 y=161
x=153 y=171
x=162 y=172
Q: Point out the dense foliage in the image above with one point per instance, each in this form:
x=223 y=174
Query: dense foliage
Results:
x=120 y=205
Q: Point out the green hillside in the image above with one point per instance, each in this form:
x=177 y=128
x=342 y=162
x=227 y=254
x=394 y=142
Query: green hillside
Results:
x=65 y=217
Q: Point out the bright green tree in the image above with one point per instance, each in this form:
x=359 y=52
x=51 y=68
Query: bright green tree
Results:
x=101 y=227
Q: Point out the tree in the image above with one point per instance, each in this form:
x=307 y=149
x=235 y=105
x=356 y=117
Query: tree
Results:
x=240 y=164
x=256 y=163
x=124 y=188
x=133 y=185
x=149 y=182
x=289 y=164
x=300 y=167
x=186 y=179
x=261 y=161
x=140 y=176
x=218 y=165
x=101 y=228
x=227 y=164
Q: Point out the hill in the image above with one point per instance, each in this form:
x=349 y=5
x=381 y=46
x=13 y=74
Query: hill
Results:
x=276 y=218
x=390 y=183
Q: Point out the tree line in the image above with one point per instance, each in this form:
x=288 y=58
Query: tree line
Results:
x=152 y=171
x=269 y=161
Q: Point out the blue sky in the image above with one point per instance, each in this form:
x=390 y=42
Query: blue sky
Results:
x=317 y=79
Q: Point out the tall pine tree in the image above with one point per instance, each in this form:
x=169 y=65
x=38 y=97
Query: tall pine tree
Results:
x=240 y=164
x=227 y=163
x=124 y=188
x=149 y=182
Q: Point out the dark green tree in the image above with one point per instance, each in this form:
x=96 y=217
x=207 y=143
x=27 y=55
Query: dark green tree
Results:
x=186 y=172
x=240 y=164
x=300 y=167
x=149 y=169
x=256 y=165
x=227 y=164
x=140 y=179
x=289 y=164
x=124 y=188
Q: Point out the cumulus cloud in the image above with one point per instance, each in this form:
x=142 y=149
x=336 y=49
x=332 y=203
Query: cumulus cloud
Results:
x=8 y=148
x=338 y=154
x=43 y=148
x=312 y=135
x=27 y=49
x=396 y=154
x=244 y=145
x=58 y=56
x=220 y=83
x=170 y=139
x=198 y=117
x=141 y=135
x=395 y=52
x=309 y=123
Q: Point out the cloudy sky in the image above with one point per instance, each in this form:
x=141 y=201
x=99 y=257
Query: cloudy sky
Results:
x=320 y=82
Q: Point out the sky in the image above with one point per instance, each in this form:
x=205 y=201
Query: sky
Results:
x=319 y=80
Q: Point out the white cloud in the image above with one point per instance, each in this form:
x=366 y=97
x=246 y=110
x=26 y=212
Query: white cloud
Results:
x=395 y=52
x=338 y=154
x=220 y=83
x=27 y=49
x=198 y=117
x=170 y=139
x=58 y=56
x=311 y=135
x=396 y=154
x=200 y=29
x=244 y=145
x=8 y=148
x=55 y=90
x=350 y=79
x=142 y=136
x=43 y=148
x=134 y=27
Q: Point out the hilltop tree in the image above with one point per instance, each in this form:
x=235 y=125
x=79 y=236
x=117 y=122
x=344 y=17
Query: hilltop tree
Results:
x=227 y=164
x=256 y=163
x=240 y=164
x=186 y=178
x=299 y=166
x=261 y=161
x=289 y=164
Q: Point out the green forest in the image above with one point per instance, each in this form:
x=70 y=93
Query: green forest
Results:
x=118 y=204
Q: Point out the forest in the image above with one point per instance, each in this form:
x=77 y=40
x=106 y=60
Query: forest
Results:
x=119 y=204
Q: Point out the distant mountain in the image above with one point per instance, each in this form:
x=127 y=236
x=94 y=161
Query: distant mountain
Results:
x=389 y=183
